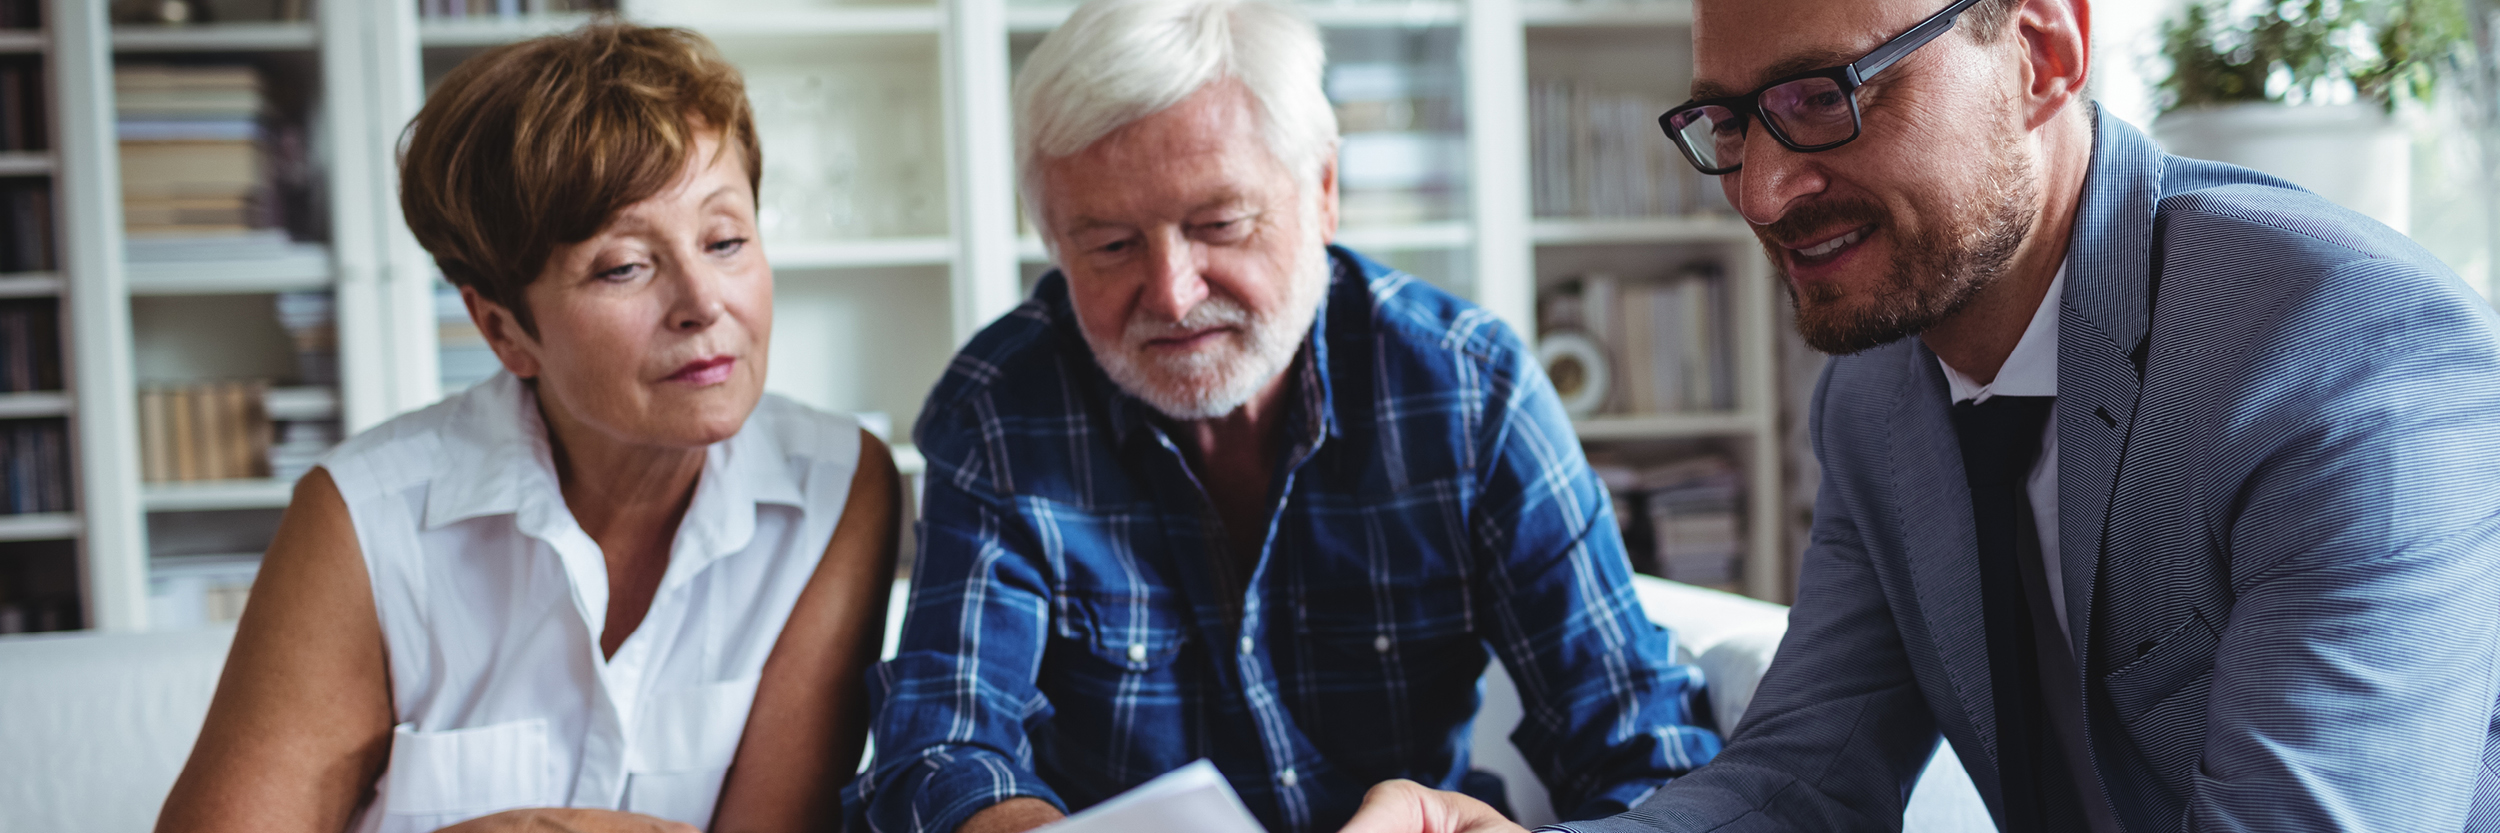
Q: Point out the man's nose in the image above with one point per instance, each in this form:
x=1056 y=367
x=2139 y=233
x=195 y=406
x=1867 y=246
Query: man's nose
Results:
x=1176 y=276
x=1773 y=179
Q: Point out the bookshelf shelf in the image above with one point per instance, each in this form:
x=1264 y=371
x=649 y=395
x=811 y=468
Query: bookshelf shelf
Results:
x=21 y=41
x=218 y=495
x=229 y=277
x=852 y=254
x=34 y=404
x=30 y=285
x=1704 y=229
x=862 y=20
x=25 y=163
x=1691 y=426
x=1380 y=239
x=216 y=37
x=1545 y=15
x=490 y=31
x=302 y=403
x=42 y=526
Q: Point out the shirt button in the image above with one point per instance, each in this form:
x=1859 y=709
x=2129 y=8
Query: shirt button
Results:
x=1381 y=643
x=1137 y=652
x=1247 y=646
x=1288 y=778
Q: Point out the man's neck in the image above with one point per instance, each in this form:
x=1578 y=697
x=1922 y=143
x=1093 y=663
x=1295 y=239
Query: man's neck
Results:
x=1977 y=340
x=1241 y=442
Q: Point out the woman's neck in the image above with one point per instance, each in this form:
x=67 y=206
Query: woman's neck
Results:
x=616 y=487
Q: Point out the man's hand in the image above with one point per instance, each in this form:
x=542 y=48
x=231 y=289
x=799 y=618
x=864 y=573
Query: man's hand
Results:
x=568 y=820
x=1403 y=806
x=1014 y=815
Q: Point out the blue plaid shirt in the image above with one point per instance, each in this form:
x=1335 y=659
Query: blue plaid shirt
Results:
x=1075 y=630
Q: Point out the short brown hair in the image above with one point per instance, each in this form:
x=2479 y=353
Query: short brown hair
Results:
x=539 y=144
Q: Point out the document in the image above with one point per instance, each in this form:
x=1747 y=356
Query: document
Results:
x=1193 y=798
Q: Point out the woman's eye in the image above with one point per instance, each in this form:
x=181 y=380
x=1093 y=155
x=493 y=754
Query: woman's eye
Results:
x=729 y=246
x=618 y=273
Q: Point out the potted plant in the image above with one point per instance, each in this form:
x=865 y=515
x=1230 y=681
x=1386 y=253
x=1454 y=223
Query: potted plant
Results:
x=2306 y=89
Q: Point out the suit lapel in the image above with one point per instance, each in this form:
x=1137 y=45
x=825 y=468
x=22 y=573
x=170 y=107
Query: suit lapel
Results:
x=2102 y=324
x=1939 y=537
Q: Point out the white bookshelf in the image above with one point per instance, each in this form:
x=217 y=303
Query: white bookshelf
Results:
x=869 y=308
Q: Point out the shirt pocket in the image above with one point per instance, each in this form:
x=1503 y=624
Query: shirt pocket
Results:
x=1120 y=680
x=683 y=746
x=440 y=778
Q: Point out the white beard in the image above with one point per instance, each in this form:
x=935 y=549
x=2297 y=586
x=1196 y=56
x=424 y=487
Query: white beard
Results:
x=1214 y=381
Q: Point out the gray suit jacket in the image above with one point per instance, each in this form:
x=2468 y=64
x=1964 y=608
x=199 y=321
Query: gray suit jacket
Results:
x=2279 y=492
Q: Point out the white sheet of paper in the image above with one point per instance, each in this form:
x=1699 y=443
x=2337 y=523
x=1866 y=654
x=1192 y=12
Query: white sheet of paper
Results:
x=1194 y=798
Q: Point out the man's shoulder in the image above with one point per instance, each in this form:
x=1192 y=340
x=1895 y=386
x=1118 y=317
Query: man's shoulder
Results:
x=1409 y=318
x=2271 y=220
x=1016 y=361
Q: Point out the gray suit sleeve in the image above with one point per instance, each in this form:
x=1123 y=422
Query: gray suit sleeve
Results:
x=2354 y=678
x=1837 y=732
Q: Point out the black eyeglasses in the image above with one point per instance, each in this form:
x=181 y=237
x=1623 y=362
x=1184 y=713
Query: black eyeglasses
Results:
x=1808 y=112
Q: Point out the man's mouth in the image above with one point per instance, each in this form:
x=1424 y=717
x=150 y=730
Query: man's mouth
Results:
x=1832 y=246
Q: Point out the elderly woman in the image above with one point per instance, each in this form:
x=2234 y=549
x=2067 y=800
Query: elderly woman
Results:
x=614 y=588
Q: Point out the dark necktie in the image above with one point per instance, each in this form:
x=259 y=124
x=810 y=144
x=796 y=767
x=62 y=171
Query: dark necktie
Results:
x=2000 y=440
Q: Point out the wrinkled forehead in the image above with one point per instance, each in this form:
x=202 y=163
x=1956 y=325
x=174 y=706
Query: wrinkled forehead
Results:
x=1740 y=45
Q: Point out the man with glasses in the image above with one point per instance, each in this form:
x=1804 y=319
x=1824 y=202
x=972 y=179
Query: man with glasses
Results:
x=2161 y=488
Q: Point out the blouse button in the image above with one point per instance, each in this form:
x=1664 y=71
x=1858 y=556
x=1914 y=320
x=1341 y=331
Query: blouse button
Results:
x=1137 y=652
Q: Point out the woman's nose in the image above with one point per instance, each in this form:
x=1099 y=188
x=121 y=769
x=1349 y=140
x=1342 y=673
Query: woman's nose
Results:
x=702 y=297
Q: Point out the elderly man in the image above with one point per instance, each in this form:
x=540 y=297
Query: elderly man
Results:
x=2161 y=488
x=1221 y=490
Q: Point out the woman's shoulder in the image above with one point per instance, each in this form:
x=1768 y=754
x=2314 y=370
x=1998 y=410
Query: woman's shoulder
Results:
x=804 y=434
x=410 y=449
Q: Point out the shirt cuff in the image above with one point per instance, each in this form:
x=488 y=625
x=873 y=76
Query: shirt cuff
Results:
x=942 y=790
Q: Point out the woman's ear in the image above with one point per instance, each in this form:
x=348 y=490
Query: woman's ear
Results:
x=515 y=347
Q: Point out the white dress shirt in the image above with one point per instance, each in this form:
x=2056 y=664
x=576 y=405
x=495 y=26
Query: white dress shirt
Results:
x=2031 y=370
x=492 y=599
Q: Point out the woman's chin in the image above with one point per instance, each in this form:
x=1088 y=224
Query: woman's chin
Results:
x=703 y=417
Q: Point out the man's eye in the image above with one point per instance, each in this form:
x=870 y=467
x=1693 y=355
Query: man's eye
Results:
x=1114 y=247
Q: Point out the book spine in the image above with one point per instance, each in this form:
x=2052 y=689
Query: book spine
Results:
x=155 y=441
x=185 y=440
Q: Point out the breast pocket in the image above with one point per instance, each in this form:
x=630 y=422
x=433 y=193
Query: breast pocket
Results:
x=446 y=777
x=682 y=748
x=1118 y=676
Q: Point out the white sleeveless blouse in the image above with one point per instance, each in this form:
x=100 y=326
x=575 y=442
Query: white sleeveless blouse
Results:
x=492 y=599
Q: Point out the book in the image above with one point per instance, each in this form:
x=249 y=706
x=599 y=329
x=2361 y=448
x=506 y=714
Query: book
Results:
x=224 y=430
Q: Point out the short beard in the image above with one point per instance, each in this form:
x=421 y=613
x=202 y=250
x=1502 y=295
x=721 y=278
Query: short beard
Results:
x=1212 y=383
x=1937 y=272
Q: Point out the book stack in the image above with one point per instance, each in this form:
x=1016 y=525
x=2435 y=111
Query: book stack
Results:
x=30 y=346
x=26 y=240
x=1600 y=154
x=463 y=356
x=191 y=159
x=1402 y=146
x=191 y=591
x=204 y=431
x=1666 y=340
x=1682 y=520
x=34 y=466
x=311 y=320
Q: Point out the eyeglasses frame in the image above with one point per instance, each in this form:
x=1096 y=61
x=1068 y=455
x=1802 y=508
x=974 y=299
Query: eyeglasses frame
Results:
x=1850 y=77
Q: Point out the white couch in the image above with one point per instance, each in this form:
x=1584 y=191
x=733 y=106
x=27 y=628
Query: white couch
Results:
x=93 y=727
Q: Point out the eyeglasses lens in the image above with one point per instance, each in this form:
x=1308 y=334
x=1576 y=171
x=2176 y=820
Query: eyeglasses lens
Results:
x=1812 y=112
x=1714 y=135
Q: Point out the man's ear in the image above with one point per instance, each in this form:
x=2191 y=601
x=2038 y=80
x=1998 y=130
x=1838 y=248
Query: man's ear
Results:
x=516 y=348
x=1328 y=196
x=2056 y=38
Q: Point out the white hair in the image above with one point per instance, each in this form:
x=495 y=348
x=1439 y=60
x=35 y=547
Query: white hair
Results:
x=1117 y=61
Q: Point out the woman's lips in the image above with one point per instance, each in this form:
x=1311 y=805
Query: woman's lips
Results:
x=711 y=370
